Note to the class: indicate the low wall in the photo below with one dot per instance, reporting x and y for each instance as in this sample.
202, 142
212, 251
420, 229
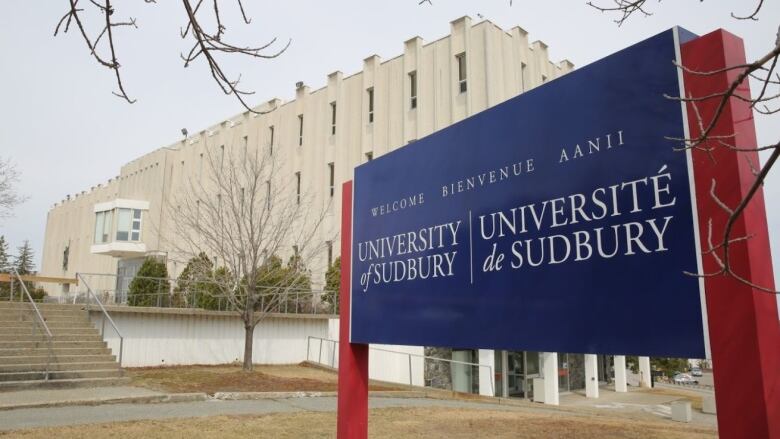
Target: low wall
170, 336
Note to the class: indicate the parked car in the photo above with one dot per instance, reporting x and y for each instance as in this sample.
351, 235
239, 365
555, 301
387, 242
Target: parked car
696, 371
683, 378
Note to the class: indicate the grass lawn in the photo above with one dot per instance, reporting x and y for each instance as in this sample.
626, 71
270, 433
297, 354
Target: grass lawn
231, 378
389, 423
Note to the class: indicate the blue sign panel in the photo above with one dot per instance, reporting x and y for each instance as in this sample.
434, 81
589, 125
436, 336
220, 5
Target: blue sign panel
558, 221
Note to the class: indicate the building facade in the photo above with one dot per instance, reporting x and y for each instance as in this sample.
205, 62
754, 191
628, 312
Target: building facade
319, 138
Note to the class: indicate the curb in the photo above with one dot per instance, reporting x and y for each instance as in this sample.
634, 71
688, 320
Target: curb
244, 396
151, 399
197, 397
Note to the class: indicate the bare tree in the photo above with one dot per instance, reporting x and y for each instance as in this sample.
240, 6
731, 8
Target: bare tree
766, 103
97, 23
244, 214
9, 197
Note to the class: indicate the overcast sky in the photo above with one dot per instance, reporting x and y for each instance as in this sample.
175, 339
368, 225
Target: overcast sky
65, 131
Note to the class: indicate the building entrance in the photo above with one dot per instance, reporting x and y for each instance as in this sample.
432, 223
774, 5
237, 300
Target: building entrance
515, 373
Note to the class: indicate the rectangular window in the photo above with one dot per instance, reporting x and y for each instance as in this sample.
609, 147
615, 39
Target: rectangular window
124, 220
369, 156
271, 140
128, 225
300, 129
332, 118
330, 253
268, 194
103, 226
461, 58
370, 92
135, 231
298, 187
331, 178
413, 89
523, 74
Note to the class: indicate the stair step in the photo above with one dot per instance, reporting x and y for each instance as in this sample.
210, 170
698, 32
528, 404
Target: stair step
56, 337
26, 304
84, 323
59, 375
96, 344
11, 313
79, 366
66, 383
28, 317
6, 333
56, 351
38, 359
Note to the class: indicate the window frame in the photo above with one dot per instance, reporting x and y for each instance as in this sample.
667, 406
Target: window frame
333, 118
462, 72
413, 89
300, 129
370, 92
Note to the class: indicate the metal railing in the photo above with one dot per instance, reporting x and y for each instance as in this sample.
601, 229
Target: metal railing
105, 317
40, 322
196, 294
334, 349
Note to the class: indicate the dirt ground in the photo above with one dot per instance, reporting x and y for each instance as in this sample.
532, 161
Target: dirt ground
388, 423
231, 378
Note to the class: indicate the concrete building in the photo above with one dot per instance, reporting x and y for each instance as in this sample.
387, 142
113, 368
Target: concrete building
319, 138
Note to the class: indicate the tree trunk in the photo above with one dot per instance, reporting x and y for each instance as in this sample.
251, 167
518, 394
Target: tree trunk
249, 330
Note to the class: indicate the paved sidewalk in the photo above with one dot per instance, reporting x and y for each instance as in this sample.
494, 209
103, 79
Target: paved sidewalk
86, 395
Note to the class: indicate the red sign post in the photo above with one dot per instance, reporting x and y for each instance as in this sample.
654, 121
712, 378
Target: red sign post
353, 358
744, 331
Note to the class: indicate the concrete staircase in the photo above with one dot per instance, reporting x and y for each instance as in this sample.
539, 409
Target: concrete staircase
78, 355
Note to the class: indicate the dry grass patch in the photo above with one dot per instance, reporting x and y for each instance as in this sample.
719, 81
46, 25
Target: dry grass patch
388, 423
231, 378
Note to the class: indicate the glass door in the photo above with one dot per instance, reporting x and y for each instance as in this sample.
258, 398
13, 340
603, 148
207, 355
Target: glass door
532, 370
563, 373
515, 374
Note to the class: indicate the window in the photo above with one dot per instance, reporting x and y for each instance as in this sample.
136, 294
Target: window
246, 146
298, 187
268, 194
369, 156
103, 222
332, 118
128, 225
523, 74
461, 58
370, 92
330, 253
300, 129
221, 155
413, 89
65, 257
200, 166
331, 179
271, 140
544, 79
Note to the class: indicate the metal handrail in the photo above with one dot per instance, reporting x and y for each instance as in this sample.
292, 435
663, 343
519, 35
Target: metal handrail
105, 316
49, 335
408, 354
